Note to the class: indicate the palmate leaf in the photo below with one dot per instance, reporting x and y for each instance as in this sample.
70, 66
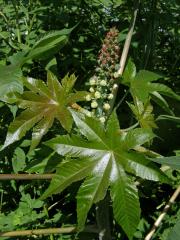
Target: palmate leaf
143, 114
142, 86
43, 103
104, 157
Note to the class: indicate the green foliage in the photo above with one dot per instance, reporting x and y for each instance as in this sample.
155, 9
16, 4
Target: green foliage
10, 79
104, 159
42, 104
175, 233
24, 214
36, 36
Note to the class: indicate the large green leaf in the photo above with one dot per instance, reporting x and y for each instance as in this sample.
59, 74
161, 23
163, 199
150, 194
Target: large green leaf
48, 45
104, 157
126, 205
43, 103
10, 79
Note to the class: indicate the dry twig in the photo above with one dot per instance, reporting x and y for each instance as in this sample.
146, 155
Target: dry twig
162, 215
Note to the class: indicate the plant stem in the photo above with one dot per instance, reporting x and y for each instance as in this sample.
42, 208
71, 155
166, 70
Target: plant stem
47, 231
162, 215
47, 176
125, 53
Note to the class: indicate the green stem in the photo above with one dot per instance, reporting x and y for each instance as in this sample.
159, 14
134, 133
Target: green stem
130, 128
17, 21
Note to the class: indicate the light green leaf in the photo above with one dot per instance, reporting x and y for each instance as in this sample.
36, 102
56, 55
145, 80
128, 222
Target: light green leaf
48, 45
42, 103
40, 130
163, 89
157, 98
173, 161
175, 232
140, 166
137, 137
142, 86
129, 72
18, 160
67, 173
10, 79
126, 205
23, 123
93, 190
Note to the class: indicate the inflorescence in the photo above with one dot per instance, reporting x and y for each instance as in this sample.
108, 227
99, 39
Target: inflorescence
103, 83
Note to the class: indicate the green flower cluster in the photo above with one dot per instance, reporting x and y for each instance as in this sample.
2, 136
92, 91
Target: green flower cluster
103, 83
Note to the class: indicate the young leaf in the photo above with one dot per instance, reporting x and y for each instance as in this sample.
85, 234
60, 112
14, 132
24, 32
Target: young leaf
43, 103
104, 159
143, 114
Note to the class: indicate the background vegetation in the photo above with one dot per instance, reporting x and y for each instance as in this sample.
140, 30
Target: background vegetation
30, 44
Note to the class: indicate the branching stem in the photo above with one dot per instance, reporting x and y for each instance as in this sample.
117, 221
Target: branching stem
162, 215
125, 53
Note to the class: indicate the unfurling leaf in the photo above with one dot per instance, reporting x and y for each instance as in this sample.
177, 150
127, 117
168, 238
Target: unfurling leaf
43, 103
104, 157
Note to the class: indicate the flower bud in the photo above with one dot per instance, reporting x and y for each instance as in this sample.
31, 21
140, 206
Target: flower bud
94, 104
91, 89
103, 83
97, 95
106, 106
110, 96
102, 119
88, 97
